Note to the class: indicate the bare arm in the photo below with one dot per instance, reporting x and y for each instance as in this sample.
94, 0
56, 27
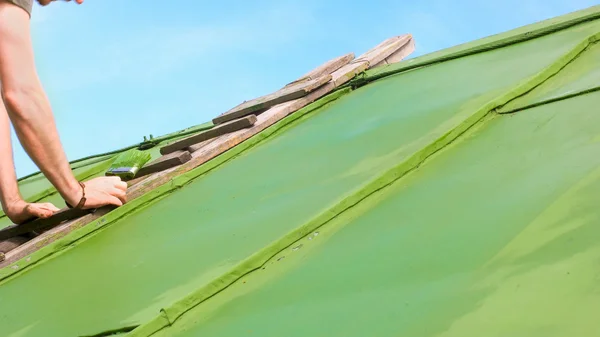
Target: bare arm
9, 191
12, 203
27, 104
31, 114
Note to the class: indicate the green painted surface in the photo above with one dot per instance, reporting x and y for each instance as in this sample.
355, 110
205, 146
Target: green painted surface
496, 236
196, 240
582, 75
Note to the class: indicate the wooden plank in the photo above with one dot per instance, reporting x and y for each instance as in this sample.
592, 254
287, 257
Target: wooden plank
12, 243
385, 49
348, 72
286, 94
325, 69
41, 224
52, 235
198, 146
402, 53
399, 55
217, 131
167, 161
199, 157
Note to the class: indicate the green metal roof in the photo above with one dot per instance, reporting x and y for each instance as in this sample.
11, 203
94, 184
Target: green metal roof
441, 196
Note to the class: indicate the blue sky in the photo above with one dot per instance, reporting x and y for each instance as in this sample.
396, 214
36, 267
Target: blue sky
117, 70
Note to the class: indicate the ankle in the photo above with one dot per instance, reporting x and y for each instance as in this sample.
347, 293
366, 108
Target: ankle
13, 205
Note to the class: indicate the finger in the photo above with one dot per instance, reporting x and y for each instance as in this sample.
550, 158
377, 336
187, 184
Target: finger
121, 195
116, 201
118, 193
121, 185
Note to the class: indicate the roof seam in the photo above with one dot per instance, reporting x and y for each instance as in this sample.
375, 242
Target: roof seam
366, 77
400, 170
551, 100
593, 40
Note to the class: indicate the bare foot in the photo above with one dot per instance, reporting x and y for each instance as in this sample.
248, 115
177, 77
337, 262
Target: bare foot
22, 211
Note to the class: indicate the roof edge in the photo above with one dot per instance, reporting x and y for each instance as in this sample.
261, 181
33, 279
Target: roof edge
514, 36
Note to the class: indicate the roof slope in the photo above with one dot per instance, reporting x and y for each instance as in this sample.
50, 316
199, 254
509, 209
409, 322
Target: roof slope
406, 206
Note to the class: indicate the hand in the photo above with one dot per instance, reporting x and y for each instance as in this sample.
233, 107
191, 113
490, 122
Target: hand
47, 2
20, 211
100, 192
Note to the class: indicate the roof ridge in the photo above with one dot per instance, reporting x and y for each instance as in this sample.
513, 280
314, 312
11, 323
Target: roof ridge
500, 40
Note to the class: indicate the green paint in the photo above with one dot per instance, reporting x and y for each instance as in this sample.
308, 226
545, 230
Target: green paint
385, 261
580, 76
505, 246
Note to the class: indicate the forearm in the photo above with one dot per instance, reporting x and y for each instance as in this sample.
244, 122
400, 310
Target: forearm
27, 104
34, 124
9, 190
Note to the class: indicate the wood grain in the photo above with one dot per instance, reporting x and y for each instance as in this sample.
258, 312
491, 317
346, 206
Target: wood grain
12, 243
385, 49
286, 94
198, 146
217, 131
41, 224
325, 69
164, 162
208, 150
53, 235
399, 54
348, 72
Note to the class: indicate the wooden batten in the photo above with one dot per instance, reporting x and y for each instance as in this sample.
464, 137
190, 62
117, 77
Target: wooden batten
325, 69
385, 49
217, 131
42, 224
165, 162
286, 94
399, 54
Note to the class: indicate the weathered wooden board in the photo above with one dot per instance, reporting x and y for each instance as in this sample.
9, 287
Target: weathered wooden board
51, 235
385, 49
198, 146
217, 131
286, 94
325, 69
41, 224
399, 54
12, 243
165, 162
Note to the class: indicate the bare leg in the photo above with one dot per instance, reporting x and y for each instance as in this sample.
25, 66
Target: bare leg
31, 114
